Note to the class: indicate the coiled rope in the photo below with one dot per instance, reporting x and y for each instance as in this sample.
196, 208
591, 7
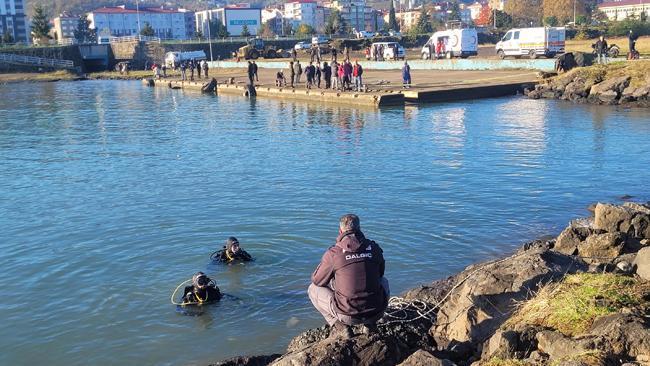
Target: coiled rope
176, 290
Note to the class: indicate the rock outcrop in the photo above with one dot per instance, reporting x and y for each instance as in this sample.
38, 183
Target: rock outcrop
599, 84
467, 318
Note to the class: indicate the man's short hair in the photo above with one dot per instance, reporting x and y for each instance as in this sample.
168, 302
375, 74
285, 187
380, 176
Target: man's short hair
349, 222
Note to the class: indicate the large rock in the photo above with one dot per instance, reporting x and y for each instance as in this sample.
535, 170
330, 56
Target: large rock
569, 239
632, 219
424, 358
248, 361
602, 248
624, 335
576, 90
608, 97
616, 85
503, 344
486, 294
558, 347
642, 263
394, 342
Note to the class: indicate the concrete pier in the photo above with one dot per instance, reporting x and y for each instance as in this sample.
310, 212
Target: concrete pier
371, 99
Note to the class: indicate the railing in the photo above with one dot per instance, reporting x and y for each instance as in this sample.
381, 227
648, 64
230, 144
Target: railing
134, 39
66, 42
236, 39
35, 61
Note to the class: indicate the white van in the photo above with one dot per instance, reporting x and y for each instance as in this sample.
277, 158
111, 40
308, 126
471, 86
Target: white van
172, 58
455, 43
532, 42
391, 50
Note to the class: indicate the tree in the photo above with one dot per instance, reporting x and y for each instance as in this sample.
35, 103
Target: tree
199, 34
551, 21
83, 33
40, 23
244, 31
503, 20
287, 28
334, 23
7, 38
217, 29
455, 12
267, 29
484, 16
423, 25
524, 12
304, 30
392, 19
562, 10
147, 30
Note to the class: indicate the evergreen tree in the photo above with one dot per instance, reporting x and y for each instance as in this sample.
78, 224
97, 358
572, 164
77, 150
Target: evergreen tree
218, 30
392, 19
334, 23
503, 20
244, 31
40, 23
147, 30
455, 12
304, 30
83, 33
423, 25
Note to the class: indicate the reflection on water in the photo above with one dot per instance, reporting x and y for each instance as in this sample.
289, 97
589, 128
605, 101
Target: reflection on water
111, 194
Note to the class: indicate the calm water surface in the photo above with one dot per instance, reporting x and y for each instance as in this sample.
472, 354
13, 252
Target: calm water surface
111, 194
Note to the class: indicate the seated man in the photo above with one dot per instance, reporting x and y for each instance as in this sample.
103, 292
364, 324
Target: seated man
231, 252
280, 80
203, 290
348, 286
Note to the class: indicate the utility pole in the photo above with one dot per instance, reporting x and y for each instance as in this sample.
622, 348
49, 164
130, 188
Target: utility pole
137, 12
209, 35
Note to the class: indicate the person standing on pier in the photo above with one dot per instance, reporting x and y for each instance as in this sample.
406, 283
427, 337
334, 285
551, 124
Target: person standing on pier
334, 52
183, 71
348, 287
255, 71
317, 71
294, 54
312, 53
292, 73
309, 73
356, 73
205, 68
298, 69
347, 75
406, 75
327, 74
198, 70
251, 74
335, 75
191, 70
318, 53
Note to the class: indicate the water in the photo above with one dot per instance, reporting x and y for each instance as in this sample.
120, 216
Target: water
111, 194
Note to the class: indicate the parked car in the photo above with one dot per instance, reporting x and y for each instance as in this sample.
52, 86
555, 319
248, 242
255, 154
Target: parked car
302, 45
392, 50
321, 40
457, 43
533, 42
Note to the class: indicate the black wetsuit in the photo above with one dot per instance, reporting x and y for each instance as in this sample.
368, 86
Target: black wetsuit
225, 257
205, 295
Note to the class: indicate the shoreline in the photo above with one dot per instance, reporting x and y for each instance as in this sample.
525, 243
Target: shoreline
482, 315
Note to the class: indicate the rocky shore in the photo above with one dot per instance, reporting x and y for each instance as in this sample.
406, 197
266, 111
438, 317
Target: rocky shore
625, 83
582, 298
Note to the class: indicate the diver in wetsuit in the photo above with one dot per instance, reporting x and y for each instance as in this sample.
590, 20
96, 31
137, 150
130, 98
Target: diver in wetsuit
231, 252
203, 291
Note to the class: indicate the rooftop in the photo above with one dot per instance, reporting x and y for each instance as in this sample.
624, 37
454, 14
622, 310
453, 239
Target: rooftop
611, 3
124, 10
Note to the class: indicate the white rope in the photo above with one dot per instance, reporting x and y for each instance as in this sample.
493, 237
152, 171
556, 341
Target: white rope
176, 290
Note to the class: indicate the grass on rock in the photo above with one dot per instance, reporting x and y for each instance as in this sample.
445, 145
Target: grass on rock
571, 306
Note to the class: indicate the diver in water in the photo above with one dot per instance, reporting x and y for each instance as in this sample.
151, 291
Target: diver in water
231, 252
203, 290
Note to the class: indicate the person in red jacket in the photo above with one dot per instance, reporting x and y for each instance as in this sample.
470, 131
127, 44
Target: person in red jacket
348, 286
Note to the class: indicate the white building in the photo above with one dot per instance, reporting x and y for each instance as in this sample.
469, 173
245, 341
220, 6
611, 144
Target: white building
275, 19
303, 12
122, 21
356, 14
475, 9
622, 9
234, 18
13, 20
65, 26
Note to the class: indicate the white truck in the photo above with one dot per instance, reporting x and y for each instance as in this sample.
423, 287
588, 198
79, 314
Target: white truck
451, 43
175, 58
532, 42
